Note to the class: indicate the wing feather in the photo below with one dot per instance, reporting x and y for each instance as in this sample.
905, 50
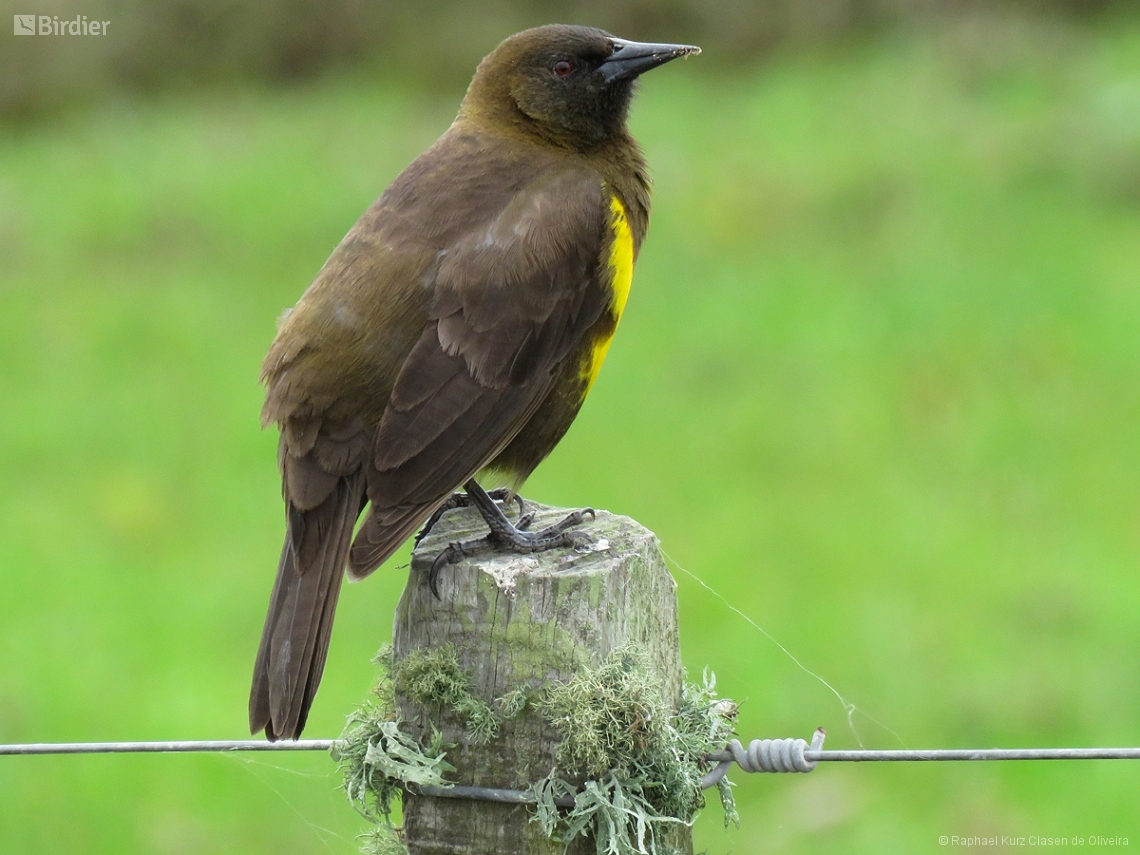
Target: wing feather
512, 301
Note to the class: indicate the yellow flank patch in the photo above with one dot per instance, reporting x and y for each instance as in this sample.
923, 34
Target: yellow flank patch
621, 278
621, 257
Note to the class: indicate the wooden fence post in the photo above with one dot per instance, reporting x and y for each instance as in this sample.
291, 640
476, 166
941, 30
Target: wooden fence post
519, 620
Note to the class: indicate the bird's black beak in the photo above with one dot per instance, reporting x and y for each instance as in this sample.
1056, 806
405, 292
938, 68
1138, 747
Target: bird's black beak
630, 59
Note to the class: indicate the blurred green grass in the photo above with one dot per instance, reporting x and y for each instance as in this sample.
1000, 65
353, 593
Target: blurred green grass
877, 384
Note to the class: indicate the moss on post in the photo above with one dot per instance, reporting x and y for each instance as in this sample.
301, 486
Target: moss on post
517, 624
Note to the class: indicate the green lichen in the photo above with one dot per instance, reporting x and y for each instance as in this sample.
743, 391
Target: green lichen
641, 761
631, 760
383, 840
514, 702
379, 759
384, 690
606, 717
433, 679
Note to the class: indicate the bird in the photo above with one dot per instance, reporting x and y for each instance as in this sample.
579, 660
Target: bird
455, 330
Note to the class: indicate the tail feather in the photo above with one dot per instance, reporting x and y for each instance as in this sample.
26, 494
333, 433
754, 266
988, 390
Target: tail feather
295, 640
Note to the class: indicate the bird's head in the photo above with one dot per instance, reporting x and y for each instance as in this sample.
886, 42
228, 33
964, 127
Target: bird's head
570, 85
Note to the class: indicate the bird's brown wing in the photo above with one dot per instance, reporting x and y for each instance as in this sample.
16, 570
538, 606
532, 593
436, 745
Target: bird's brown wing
320, 398
512, 300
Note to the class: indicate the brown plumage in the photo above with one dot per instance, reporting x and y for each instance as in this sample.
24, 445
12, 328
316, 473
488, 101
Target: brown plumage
453, 329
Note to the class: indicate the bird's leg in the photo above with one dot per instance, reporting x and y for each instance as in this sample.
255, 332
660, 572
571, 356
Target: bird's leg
503, 533
519, 538
462, 500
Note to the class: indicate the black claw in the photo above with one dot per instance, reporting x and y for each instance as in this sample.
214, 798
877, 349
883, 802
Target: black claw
442, 560
455, 553
518, 500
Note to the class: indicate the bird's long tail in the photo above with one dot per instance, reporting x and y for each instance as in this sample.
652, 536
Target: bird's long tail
295, 640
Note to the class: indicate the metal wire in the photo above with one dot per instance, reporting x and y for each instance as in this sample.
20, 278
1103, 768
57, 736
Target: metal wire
811, 754
181, 747
489, 794
761, 755
977, 754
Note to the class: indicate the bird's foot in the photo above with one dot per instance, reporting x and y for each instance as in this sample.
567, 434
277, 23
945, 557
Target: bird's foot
516, 537
461, 500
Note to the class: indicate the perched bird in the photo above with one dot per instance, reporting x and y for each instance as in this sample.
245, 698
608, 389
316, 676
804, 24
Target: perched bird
457, 328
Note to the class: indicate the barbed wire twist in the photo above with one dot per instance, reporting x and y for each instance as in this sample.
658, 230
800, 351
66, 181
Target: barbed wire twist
765, 755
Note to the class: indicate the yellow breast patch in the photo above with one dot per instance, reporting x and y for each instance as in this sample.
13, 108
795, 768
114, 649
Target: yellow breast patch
620, 266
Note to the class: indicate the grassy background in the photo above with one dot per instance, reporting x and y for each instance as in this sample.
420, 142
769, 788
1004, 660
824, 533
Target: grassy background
877, 384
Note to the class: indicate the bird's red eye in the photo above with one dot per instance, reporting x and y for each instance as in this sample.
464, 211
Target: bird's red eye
563, 67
